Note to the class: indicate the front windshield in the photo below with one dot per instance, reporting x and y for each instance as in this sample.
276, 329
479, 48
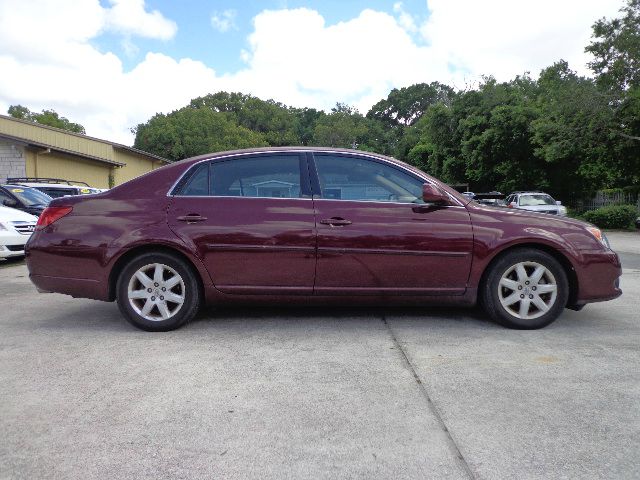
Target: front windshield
535, 200
30, 196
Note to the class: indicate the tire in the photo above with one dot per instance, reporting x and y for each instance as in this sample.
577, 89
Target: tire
142, 300
525, 289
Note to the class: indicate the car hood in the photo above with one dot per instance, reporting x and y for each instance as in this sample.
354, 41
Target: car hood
12, 215
536, 208
519, 215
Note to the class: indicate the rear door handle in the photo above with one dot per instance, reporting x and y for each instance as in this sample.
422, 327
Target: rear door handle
335, 222
192, 218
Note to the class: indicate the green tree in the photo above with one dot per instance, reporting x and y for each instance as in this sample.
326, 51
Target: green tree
273, 120
344, 127
573, 134
616, 49
193, 131
46, 117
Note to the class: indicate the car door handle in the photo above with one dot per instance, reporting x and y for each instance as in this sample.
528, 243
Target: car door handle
335, 221
192, 218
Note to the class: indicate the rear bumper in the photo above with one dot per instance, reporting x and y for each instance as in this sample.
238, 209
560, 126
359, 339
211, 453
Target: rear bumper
76, 287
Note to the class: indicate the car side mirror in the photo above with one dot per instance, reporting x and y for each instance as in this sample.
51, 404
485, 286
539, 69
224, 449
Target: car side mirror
9, 202
558, 202
432, 194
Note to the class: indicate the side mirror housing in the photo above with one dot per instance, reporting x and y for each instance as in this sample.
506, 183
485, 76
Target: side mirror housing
558, 202
432, 195
10, 202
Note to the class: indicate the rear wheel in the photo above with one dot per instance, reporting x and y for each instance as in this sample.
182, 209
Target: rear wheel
158, 292
525, 289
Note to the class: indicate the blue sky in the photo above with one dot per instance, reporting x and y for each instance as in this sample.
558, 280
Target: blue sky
197, 38
112, 64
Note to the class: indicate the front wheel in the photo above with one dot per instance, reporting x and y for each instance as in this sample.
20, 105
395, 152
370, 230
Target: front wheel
158, 292
525, 289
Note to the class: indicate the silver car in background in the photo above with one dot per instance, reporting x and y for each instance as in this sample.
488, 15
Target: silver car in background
536, 202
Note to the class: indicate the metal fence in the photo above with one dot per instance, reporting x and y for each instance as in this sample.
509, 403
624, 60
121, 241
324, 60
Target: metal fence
604, 199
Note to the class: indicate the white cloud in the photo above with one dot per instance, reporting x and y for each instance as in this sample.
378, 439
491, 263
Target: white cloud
130, 17
292, 55
224, 21
506, 37
405, 19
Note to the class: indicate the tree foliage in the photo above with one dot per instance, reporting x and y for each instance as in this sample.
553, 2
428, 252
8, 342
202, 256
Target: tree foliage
561, 132
46, 117
616, 49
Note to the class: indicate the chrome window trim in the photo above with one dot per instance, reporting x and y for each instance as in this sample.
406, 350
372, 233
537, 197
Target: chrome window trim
315, 198
302, 150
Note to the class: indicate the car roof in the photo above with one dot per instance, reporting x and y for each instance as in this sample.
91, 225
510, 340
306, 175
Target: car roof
52, 185
15, 185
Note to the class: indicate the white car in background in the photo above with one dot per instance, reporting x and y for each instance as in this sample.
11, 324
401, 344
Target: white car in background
15, 229
536, 202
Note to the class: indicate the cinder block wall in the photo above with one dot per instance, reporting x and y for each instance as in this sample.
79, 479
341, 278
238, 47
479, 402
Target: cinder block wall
12, 161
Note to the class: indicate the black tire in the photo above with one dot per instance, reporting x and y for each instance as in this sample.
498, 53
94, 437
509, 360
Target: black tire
493, 291
188, 289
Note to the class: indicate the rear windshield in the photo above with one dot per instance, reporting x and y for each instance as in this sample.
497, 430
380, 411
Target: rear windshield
534, 200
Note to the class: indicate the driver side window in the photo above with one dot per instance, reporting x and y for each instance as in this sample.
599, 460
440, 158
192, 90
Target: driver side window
357, 178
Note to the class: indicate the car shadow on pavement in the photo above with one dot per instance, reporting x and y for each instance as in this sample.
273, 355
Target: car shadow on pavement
88, 315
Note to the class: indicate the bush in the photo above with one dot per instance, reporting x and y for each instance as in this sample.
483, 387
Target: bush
614, 216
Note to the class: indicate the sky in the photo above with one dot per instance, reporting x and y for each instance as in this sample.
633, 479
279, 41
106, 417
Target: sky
112, 64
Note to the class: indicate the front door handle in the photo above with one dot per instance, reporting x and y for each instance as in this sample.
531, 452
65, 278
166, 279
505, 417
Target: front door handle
192, 218
335, 222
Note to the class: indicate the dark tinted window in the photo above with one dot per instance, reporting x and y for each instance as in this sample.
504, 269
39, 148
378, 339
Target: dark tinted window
31, 196
4, 196
198, 183
273, 176
55, 192
356, 178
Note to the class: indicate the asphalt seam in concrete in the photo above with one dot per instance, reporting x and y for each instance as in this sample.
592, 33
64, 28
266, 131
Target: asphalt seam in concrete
430, 405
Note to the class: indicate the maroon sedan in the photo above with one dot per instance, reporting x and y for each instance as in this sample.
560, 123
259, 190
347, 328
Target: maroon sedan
304, 225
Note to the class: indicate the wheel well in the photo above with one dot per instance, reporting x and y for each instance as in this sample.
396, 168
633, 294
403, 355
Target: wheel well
572, 278
137, 251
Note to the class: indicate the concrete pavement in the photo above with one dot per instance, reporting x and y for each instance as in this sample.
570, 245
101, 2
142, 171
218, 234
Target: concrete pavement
316, 393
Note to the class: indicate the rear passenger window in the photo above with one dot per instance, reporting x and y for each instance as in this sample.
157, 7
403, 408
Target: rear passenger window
271, 176
198, 183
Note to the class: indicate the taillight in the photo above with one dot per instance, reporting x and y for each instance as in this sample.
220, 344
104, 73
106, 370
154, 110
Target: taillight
50, 215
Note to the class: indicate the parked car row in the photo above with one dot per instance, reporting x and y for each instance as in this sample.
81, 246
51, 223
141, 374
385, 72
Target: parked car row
534, 201
55, 187
22, 201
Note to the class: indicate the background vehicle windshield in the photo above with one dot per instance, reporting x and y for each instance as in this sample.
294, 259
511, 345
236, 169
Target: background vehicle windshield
534, 200
31, 196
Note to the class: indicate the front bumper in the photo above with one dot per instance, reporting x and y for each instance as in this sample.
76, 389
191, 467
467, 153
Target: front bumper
12, 244
598, 277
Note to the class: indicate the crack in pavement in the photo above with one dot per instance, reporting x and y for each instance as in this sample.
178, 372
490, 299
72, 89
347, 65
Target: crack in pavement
432, 407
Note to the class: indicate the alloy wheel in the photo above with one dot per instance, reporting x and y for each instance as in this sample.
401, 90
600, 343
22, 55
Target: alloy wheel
156, 292
527, 290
